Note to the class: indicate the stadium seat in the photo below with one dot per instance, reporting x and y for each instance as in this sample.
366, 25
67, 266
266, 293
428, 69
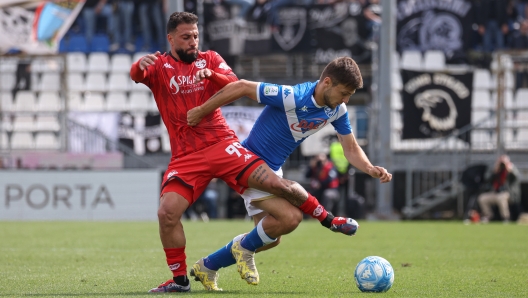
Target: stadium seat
49, 102
153, 105
480, 116
139, 87
4, 141
396, 101
120, 63
98, 62
6, 123
411, 60
7, 81
506, 63
8, 64
48, 64
119, 82
522, 136
50, 82
507, 97
482, 79
139, 101
75, 82
75, 101
77, 43
434, 60
47, 123
481, 139
509, 100
96, 82
481, 100
6, 102
397, 83
22, 140
138, 55
63, 45
521, 98
100, 43
25, 101
24, 123
94, 102
46, 141
116, 101
76, 62
521, 118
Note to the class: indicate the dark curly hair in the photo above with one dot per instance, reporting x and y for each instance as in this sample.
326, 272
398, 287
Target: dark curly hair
178, 18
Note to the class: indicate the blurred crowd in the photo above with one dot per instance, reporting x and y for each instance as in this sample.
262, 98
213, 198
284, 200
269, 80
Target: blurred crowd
498, 24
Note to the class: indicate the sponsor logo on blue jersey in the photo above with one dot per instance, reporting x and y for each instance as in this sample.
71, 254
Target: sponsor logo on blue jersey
308, 124
330, 112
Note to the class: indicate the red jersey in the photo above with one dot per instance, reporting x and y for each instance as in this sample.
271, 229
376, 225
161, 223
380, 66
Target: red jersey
173, 84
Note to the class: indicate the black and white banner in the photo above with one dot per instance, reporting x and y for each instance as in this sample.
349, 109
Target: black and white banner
434, 25
327, 30
144, 132
435, 104
141, 132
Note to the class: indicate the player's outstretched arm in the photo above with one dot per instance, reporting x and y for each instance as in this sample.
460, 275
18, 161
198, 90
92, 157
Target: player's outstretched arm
357, 157
138, 69
228, 94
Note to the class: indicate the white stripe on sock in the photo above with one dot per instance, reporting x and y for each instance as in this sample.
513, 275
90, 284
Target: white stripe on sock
263, 236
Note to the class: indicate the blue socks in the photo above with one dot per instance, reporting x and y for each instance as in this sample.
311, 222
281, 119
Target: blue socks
220, 258
256, 238
252, 241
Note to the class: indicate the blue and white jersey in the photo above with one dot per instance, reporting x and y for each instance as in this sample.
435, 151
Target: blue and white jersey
290, 116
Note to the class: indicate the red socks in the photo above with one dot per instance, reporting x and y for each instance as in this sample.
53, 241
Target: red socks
313, 208
176, 260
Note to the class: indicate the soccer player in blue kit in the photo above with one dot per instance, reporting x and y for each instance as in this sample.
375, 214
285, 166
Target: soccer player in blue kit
292, 113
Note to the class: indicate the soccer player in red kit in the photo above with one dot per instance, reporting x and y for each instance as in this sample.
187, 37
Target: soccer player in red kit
181, 80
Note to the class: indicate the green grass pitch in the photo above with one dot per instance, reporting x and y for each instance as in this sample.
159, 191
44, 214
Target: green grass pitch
125, 259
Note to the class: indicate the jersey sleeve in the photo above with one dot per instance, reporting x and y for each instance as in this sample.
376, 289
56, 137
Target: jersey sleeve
220, 66
342, 123
274, 95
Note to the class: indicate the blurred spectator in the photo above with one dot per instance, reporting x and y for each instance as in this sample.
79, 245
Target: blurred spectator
337, 156
277, 5
91, 10
324, 182
152, 13
520, 41
23, 76
123, 25
372, 13
492, 24
512, 17
522, 9
244, 6
504, 183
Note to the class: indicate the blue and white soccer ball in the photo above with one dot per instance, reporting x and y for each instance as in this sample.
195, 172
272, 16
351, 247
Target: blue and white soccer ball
374, 274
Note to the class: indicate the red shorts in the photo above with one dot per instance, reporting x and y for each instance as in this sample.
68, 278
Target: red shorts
228, 160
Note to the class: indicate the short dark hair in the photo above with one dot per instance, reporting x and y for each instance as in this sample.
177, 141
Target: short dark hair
178, 18
344, 71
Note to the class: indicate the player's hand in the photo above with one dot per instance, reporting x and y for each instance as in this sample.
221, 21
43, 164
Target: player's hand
380, 173
194, 116
148, 60
203, 74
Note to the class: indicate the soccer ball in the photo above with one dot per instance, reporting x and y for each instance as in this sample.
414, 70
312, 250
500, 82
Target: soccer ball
374, 274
